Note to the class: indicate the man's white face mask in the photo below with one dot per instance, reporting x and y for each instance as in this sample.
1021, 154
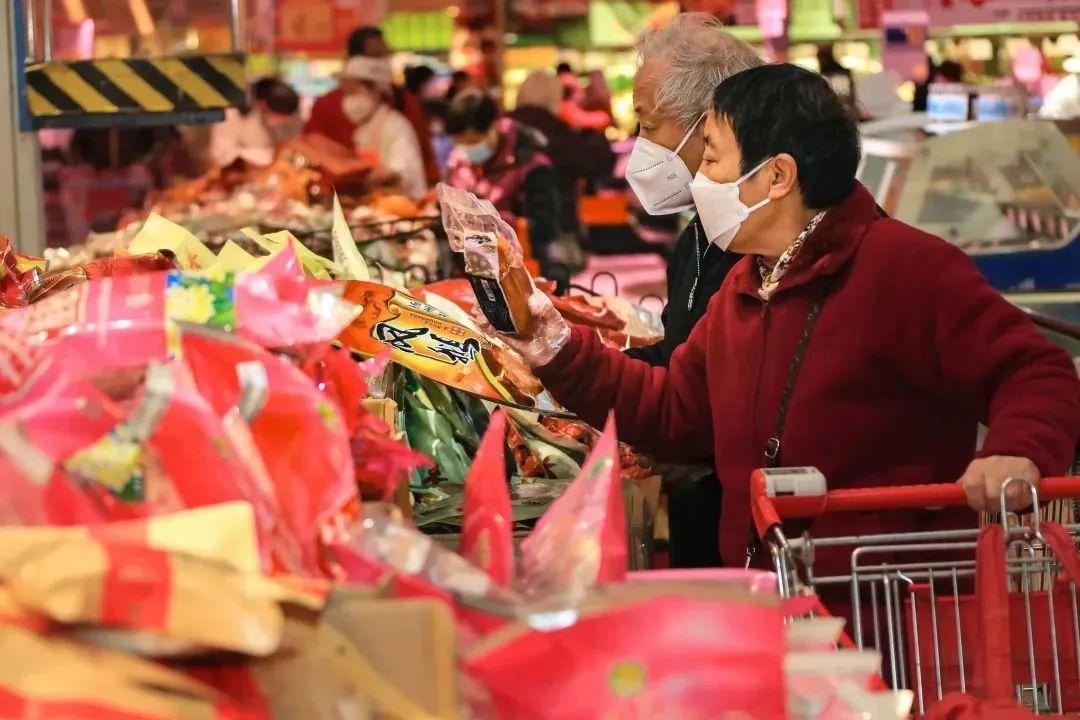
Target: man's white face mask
659, 177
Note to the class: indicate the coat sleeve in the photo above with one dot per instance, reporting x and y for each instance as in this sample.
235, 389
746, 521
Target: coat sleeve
664, 411
964, 341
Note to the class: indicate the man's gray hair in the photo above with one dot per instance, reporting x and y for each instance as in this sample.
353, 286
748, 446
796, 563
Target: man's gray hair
699, 55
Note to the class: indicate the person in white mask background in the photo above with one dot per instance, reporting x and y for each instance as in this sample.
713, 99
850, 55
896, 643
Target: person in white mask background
681, 65
506, 163
381, 132
843, 340
255, 135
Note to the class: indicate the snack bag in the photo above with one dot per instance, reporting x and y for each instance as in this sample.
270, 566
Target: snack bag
298, 433
346, 254
145, 462
53, 416
158, 234
581, 540
426, 340
161, 602
129, 321
379, 547
53, 677
493, 260
677, 658
487, 532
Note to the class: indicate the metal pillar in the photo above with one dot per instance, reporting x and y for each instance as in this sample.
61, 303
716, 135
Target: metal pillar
21, 209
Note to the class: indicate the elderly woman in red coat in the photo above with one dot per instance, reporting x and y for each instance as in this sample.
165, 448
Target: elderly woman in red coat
843, 340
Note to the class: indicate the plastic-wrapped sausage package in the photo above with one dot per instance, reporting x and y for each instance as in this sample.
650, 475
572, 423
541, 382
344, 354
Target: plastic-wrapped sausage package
493, 259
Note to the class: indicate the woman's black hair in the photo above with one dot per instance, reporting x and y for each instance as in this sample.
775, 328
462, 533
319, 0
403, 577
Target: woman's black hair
280, 98
471, 110
784, 108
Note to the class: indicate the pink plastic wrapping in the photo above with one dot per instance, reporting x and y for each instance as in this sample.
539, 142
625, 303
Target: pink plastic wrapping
124, 322
581, 541
665, 659
299, 433
487, 530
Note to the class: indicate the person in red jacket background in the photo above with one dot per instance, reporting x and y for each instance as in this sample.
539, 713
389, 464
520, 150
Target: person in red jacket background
328, 117
844, 340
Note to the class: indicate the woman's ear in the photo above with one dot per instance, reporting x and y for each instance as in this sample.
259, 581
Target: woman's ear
783, 174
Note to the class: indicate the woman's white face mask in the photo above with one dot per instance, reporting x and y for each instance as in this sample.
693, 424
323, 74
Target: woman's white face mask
720, 207
659, 177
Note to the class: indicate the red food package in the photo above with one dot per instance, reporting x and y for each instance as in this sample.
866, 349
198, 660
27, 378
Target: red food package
298, 432
56, 282
14, 279
171, 452
669, 658
487, 530
52, 417
581, 540
130, 321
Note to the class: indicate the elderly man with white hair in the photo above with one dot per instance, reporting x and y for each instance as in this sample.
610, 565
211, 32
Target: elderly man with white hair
381, 131
681, 65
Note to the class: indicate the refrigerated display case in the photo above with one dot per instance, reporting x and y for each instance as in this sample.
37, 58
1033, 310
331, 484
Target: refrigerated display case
1007, 192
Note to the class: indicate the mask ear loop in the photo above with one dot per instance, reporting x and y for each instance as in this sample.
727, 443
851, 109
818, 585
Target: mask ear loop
686, 137
751, 174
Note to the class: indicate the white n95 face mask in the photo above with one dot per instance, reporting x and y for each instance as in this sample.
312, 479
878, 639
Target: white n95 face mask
659, 177
720, 208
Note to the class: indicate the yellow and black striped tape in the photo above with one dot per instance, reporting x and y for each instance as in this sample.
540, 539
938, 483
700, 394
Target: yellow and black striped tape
135, 85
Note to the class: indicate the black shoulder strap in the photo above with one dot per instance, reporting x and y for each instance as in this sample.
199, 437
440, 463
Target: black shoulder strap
772, 446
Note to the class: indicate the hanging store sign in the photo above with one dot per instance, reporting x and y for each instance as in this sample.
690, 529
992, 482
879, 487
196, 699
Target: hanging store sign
968, 12
321, 27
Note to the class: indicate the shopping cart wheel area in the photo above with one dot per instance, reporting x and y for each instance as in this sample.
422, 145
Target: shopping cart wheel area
991, 611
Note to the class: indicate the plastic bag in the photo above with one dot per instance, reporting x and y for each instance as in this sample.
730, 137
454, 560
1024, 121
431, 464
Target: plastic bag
581, 540
493, 260
669, 658
124, 322
487, 530
299, 433
54, 416
57, 678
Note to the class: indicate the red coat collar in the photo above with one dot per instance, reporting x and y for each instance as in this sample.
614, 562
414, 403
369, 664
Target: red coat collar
826, 251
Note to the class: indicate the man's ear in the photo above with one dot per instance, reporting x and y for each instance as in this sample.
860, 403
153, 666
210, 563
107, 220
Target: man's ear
783, 174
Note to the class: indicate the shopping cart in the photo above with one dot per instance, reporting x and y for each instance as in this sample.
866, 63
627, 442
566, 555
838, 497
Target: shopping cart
990, 611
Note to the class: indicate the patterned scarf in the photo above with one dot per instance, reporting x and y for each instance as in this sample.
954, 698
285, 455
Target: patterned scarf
772, 274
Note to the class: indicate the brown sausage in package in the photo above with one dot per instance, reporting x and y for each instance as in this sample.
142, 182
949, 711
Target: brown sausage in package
493, 260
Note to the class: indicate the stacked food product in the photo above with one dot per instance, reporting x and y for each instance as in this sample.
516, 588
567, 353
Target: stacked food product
188, 447
294, 193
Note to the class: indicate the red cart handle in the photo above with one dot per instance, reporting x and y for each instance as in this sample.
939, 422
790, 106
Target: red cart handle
769, 511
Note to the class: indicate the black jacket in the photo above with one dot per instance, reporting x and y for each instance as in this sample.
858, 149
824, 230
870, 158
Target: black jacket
696, 270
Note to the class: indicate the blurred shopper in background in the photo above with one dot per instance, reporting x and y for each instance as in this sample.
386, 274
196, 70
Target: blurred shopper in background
255, 135
460, 81
830, 345
328, 116
380, 131
597, 95
839, 77
681, 65
505, 162
571, 110
578, 155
